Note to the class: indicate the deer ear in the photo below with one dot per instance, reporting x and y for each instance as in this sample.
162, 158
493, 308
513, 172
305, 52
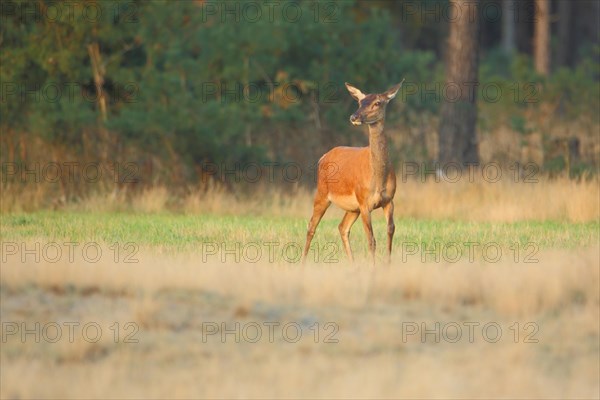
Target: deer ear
391, 92
354, 92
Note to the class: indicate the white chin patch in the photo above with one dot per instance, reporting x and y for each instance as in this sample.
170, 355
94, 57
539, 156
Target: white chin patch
356, 122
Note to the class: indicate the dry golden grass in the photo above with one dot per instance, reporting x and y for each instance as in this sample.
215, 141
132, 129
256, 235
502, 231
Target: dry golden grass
170, 298
559, 199
506, 201
151, 200
505, 287
217, 200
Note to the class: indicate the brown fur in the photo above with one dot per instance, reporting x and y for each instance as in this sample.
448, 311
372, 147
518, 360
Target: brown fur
358, 179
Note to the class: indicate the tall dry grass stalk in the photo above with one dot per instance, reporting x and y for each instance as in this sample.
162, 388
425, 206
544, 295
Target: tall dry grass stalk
170, 298
151, 200
558, 198
559, 278
555, 199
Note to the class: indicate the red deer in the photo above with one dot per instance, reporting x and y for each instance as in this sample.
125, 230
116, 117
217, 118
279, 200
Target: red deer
358, 179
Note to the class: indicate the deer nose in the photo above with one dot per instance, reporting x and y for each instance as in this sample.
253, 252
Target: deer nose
355, 119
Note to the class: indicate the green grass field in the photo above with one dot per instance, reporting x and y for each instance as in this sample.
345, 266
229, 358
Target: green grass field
178, 232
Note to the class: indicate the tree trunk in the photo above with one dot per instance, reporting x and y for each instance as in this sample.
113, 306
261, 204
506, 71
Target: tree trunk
542, 37
458, 116
98, 70
99, 73
563, 55
508, 26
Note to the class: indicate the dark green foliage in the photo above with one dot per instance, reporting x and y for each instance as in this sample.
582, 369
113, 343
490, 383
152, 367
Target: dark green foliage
185, 86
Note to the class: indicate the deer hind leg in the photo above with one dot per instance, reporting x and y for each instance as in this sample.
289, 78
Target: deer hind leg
388, 211
344, 227
320, 206
366, 219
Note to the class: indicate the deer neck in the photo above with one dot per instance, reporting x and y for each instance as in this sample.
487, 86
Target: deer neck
379, 156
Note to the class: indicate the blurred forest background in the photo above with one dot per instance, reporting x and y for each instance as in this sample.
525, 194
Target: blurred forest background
174, 86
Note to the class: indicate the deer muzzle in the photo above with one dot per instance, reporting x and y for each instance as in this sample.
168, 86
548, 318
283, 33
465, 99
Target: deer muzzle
355, 119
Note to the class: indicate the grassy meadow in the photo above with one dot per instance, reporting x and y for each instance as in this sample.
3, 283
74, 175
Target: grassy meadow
158, 162
204, 296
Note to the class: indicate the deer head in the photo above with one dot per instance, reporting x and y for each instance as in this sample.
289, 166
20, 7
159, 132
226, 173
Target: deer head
371, 107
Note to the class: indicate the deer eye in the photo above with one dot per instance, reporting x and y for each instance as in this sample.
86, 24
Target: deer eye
377, 103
